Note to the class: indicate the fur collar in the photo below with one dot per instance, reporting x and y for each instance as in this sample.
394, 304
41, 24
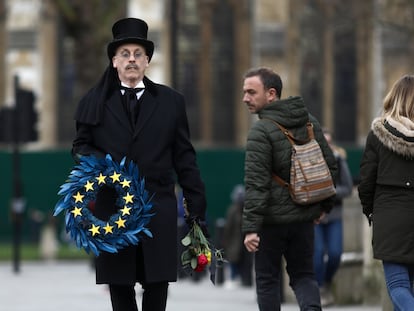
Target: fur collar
395, 135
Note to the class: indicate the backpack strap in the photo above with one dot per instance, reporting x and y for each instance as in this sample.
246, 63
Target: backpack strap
309, 127
293, 140
280, 181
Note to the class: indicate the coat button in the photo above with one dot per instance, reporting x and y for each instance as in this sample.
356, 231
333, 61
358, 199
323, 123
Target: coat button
408, 184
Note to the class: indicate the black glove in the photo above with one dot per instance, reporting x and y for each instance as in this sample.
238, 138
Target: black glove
191, 219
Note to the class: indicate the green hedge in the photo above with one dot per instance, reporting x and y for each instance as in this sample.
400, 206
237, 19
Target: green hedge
43, 172
32, 252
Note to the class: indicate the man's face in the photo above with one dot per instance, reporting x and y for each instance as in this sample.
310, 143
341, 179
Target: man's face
130, 61
255, 96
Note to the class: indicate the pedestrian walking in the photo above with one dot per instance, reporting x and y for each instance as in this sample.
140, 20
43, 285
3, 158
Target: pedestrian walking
386, 190
240, 260
275, 226
127, 115
329, 232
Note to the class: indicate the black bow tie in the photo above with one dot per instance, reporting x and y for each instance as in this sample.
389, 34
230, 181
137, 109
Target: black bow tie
130, 90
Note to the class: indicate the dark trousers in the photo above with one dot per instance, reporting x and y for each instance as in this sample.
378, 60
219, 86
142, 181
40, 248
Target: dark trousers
295, 243
154, 297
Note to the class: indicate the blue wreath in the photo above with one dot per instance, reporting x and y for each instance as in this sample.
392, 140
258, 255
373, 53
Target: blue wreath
124, 227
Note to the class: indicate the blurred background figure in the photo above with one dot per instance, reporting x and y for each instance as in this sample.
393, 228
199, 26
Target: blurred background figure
240, 260
49, 244
329, 233
36, 219
182, 230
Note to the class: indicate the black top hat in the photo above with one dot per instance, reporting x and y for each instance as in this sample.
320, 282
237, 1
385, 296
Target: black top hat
130, 30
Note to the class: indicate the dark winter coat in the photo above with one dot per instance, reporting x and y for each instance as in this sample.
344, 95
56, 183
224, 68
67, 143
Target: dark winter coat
232, 236
268, 150
344, 186
386, 189
160, 146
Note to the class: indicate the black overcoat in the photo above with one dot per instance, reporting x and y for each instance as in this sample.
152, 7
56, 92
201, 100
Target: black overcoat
160, 146
386, 191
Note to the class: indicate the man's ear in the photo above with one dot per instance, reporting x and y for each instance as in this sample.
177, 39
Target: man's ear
273, 94
113, 62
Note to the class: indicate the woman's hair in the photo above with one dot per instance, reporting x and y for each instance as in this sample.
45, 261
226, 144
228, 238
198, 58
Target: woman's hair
399, 102
269, 78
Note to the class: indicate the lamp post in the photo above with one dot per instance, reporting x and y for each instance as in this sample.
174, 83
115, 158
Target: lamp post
17, 201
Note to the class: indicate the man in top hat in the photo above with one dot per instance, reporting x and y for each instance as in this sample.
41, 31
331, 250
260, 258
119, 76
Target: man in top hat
150, 128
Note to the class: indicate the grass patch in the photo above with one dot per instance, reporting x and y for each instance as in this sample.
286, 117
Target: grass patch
32, 252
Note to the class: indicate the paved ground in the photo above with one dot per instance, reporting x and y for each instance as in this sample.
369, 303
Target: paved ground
69, 286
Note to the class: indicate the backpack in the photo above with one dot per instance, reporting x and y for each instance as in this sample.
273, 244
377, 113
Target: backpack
310, 177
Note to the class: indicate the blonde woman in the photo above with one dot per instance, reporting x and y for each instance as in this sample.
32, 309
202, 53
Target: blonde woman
386, 190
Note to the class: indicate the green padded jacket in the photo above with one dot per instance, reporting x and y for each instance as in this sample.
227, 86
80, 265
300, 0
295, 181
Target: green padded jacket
268, 150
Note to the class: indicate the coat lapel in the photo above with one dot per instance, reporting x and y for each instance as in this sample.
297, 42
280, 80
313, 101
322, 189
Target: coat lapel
114, 105
148, 105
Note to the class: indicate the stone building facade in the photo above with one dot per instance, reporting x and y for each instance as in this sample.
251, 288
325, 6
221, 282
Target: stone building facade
340, 57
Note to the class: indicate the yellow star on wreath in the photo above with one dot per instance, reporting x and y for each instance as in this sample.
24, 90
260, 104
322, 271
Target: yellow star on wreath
108, 228
128, 198
78, 197
120, 222
126, 183
76, 211
94, 230
101, 179
125, 211
89, 186
115, 177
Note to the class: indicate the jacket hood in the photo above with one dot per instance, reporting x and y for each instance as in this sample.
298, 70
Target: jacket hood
290, 112
398, 136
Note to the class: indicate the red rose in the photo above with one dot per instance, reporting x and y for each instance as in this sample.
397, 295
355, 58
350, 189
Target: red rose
202, 261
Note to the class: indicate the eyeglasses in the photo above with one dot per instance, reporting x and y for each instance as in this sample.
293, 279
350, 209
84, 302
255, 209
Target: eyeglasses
127, 54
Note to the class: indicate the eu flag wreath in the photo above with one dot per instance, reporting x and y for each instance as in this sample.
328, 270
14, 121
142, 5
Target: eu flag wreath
124, 227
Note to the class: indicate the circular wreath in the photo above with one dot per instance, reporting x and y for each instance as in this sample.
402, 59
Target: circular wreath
124, 227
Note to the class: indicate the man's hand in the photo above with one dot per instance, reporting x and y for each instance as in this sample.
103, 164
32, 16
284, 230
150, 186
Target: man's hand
190, 220
317, 221
251, 241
